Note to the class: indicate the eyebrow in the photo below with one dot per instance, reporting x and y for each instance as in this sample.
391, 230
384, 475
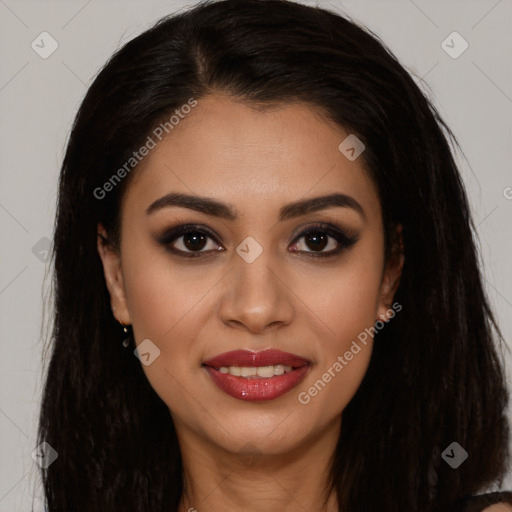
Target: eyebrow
215, 208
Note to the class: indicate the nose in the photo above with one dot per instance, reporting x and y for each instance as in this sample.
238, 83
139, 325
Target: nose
257, 297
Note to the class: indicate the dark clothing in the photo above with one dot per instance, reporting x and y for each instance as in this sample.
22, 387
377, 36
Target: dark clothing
479, 503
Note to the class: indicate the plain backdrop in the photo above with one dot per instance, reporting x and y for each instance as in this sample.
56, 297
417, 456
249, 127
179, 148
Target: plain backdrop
40, 96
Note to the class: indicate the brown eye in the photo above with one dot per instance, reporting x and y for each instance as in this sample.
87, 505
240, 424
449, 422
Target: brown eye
194, 240
319, 237
316, 240
188, 241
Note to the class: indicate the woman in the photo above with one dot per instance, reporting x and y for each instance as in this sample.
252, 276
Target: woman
261, 198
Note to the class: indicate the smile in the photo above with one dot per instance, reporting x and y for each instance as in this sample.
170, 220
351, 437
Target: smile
257, 376
255, 372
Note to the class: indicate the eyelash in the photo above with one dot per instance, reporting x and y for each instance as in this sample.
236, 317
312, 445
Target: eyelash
344, 240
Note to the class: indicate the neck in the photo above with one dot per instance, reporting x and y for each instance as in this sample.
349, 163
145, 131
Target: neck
216, 480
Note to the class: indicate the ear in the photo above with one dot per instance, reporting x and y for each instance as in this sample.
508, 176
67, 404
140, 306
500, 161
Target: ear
392, 274
113, 276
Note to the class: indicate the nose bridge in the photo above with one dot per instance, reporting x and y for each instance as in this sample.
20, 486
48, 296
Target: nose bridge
257, 297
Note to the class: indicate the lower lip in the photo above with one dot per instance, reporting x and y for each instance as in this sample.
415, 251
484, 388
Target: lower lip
257, 389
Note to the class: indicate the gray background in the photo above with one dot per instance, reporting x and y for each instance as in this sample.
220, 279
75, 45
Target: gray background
39, 98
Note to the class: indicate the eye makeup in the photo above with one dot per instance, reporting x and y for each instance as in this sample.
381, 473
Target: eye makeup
196, 236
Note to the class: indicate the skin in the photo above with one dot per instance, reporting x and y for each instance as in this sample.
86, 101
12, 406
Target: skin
244, 455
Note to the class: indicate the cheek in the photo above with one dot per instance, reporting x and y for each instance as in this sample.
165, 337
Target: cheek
164, 305
344, 353
347, 305
161, 294
346, 299
171, 303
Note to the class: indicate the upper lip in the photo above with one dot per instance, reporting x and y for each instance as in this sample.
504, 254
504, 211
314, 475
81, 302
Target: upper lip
268, 357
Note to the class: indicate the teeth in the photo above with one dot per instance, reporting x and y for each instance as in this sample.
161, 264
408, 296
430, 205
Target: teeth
279, 369
260, 371
265, 371
248, 372
232, 370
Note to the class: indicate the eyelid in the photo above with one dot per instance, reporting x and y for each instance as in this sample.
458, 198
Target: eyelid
174, 232
327, 227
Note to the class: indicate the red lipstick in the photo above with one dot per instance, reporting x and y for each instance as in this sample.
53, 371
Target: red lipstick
289, 369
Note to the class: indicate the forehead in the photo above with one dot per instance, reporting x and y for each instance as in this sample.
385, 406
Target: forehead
252, 157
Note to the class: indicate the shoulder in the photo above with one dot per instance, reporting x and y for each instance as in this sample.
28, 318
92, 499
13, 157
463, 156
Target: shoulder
503, 506
490, 502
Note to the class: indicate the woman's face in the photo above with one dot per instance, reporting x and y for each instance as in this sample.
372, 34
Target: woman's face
254, 282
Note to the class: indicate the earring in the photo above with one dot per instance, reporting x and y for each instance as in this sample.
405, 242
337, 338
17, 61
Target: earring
126, 341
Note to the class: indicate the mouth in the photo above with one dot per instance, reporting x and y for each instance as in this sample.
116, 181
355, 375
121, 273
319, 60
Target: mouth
257, 376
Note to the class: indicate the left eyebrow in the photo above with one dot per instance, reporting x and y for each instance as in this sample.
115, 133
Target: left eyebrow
319, 203
217, 209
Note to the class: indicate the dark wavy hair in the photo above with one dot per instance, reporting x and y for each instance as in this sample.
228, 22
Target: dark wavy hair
435, 374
